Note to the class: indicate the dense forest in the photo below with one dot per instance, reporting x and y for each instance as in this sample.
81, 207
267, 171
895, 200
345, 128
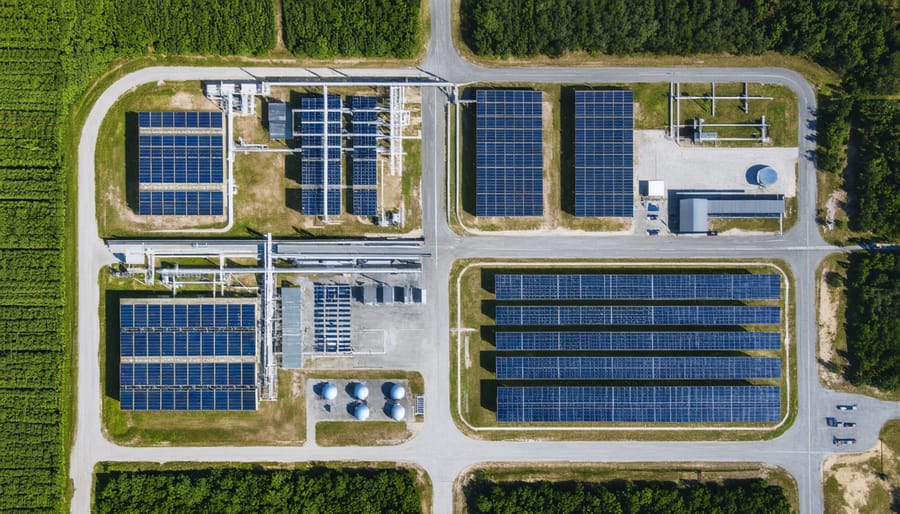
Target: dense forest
370, 28
877, 138
321, 490
873, 327
745, 496
858, 38
51, 51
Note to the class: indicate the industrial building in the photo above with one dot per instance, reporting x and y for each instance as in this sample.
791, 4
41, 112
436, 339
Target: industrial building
696, 207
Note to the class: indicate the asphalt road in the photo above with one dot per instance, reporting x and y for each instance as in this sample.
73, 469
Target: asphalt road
440, 448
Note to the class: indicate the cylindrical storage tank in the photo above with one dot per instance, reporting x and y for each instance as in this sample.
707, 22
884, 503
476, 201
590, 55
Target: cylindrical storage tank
329, 391
398, 413
766, 176
361, 412
360, 392
397, 392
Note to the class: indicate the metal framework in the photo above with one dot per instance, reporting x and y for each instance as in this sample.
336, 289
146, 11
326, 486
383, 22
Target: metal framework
675, 98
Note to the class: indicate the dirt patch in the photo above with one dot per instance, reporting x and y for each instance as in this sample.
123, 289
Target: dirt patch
856, 477
183, 100
833, 205
828, 326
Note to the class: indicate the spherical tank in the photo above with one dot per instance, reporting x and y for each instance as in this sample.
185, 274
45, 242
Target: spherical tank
398, 412
361, 412
361, 392
766, 176
329, 391
398, 392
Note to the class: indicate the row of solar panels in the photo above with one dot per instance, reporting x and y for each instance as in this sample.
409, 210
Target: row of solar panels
637, 341
187, 344
312, 201
637, 287
637, 315
637, 368
181, 203
331, 318
508, 153
364, 169
162, 314
180, 120
157, 374
201, 170
165, 399
660, 404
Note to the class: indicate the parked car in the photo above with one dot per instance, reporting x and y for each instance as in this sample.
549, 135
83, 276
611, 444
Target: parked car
846, 406
653, 232
833, 422
713, 233
842, 441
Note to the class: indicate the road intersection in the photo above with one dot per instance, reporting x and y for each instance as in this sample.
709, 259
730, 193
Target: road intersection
440, 448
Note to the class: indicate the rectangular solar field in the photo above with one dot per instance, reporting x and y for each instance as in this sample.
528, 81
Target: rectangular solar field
364, 163
637, 287
181, 159
626, 404
331, 321
636, 315
509, 154
637, 341
176, 355
178, 203
637, 368
320, 161
604, 154
180, 120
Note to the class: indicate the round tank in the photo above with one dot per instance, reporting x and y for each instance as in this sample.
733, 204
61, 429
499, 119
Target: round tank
361, 412
398, 413
360, 392
766, 176
329, 391
398, 392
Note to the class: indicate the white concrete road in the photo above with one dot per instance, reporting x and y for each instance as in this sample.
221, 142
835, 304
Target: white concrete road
440, 448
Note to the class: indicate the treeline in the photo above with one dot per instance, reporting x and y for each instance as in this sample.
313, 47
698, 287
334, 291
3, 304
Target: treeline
52, 49
858, 38
873, 327
365, 28
877, 132
321, 489
745, 496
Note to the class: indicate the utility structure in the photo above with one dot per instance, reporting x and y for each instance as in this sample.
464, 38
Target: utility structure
675, 98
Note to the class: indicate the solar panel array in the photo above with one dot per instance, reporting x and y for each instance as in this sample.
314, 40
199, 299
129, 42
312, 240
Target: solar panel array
661, 404
364, 172
187, 356
332, 318
604, 153
637, 368
637, 315
180, 154
180, 120
637, 341
637, 287
314, 161
190, 203
509, 153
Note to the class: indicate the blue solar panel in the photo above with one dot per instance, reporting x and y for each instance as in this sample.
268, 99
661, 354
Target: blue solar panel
669, 404
315, 159
637, 341
509, 153
160, 330
604, 154
331, 318
637, 368
365, 131
637, 315
312, 202
180, 120
637, 287
180, 158
181, 203
365, 202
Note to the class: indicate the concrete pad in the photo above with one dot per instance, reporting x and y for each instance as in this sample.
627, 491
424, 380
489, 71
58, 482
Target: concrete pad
706, 167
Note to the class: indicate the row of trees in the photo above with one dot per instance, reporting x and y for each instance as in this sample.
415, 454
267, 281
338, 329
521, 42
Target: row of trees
873, 327
319, 489
858, 38
745, 496
369, 28
877, 137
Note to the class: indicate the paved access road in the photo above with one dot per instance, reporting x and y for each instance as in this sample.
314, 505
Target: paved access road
440, 448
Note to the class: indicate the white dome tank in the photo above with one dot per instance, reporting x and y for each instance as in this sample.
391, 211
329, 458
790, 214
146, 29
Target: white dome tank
398, 413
